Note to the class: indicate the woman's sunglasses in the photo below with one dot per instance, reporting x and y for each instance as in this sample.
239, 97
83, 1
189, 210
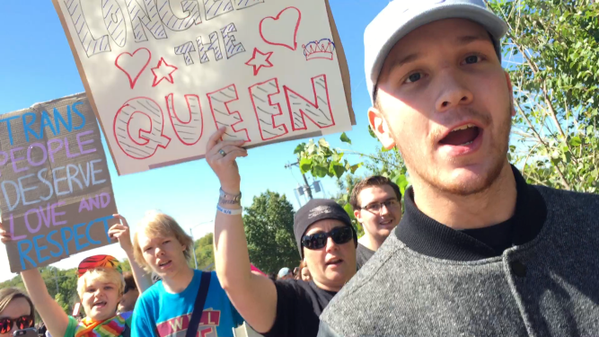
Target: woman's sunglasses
340, 235
22, 322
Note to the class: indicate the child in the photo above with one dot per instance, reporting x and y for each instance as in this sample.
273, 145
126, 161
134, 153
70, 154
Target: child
100, 288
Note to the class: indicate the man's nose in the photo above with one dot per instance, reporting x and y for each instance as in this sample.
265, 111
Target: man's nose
453, 92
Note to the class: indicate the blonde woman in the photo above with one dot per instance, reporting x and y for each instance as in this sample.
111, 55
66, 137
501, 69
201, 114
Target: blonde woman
100, 288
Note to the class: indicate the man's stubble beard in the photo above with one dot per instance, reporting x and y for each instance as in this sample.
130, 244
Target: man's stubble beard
435, 182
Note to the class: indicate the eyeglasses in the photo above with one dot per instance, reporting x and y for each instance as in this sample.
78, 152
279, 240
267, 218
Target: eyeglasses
340, 235
22, 322
376, 207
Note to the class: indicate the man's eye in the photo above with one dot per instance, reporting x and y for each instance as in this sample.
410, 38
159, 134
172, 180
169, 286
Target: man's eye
413, 78
472, 59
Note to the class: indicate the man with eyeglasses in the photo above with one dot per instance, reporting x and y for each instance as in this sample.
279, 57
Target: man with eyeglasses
376, 202
325, 239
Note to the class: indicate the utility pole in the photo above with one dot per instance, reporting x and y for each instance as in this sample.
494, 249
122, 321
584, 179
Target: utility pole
307, 186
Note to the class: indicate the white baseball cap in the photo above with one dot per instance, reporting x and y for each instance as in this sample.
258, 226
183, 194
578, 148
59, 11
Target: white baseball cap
401, 17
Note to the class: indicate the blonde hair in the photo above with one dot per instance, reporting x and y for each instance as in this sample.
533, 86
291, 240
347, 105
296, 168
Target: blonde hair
107, 275
156, 224
7, 295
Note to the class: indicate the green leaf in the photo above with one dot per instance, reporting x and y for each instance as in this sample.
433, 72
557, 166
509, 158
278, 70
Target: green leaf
401, 181
344, 138
322, 142
305, 165
371, 132
575, 141
319, 171
336, 169
299, 148
353, 168
349, 210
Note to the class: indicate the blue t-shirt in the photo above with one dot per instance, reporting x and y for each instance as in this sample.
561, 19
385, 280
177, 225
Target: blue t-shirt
159, 313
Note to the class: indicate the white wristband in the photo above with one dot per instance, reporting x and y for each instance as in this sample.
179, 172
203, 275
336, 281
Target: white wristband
229, 211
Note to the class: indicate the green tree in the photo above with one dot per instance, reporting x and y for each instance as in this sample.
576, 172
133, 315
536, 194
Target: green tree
552, 47
204, 251
269, 230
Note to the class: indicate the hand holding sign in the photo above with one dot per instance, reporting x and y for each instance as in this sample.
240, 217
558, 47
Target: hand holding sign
4, 234
121, 232
221, 156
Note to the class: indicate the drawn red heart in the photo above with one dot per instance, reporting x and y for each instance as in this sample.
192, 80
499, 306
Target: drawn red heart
133, 64
282, 30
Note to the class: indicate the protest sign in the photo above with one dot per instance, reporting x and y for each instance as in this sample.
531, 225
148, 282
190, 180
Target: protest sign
56, 194
162, 75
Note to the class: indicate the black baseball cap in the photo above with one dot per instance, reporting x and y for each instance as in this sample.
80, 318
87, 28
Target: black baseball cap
314, 211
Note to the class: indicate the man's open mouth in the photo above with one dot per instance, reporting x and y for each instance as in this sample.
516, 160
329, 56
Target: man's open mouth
462, 136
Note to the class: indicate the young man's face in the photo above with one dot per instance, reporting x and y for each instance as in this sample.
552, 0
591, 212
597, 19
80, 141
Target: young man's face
443, 77
334, 264
378, 221
165, 255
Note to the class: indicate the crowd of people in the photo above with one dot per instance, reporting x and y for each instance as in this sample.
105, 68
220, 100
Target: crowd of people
476, 252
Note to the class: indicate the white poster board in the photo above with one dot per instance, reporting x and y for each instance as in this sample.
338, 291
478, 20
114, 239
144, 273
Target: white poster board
162, 75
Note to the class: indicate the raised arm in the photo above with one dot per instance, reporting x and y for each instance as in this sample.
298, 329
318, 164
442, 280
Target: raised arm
51, 313
121, 232
254, 296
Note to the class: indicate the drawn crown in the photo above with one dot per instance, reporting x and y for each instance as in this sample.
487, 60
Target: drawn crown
322, 48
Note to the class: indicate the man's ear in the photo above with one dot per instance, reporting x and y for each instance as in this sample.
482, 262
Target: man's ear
381, 128
511, 92
358, 215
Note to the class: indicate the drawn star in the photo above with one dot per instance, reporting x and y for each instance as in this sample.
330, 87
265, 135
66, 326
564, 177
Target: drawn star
163, 71
259, 60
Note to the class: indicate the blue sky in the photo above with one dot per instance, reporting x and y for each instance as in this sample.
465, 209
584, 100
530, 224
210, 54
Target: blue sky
37, 65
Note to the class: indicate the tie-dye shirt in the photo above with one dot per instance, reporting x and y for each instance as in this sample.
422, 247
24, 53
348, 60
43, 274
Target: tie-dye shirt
112, 327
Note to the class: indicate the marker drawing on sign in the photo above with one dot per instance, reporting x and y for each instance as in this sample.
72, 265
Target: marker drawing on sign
241, 4
215, 8
163, 71
214, 45
185, 50
91, 45
219, 106
319, 111
133, 64
138, 128
231, 48
259, 60
188, 132
261, 95
321, 49
145, 17
114, 20
282, 30
170, 19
